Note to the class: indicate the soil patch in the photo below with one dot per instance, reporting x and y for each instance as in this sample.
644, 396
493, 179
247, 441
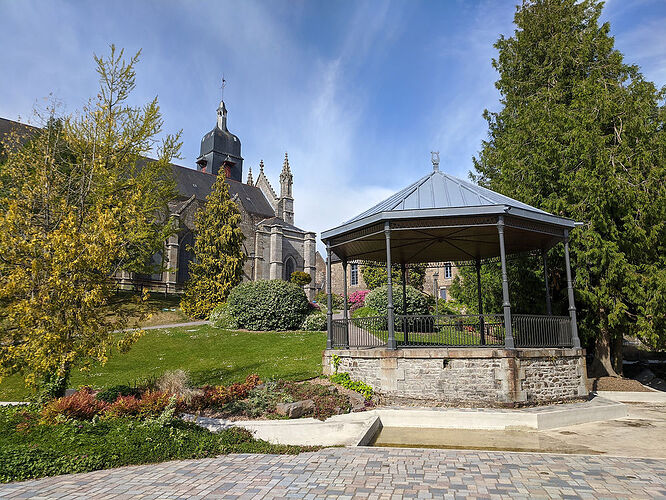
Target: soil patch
615, 384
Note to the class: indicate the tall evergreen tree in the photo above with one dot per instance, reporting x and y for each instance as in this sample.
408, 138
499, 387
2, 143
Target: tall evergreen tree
580, 133
218, 253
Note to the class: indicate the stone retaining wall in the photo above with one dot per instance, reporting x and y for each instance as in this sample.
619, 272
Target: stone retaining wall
475, 375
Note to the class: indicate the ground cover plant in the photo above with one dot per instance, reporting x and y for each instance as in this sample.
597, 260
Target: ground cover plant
31, 447
211, 356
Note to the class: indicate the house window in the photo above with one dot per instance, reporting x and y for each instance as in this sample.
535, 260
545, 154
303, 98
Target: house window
354, 275
447, 270
442, 293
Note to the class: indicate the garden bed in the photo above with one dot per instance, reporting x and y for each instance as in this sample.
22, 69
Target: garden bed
31, 447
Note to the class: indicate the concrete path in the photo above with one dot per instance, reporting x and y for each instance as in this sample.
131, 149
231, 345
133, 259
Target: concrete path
367, 473
174, 325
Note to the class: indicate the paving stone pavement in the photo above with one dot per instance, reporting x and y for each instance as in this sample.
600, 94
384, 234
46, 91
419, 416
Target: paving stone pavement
366, 473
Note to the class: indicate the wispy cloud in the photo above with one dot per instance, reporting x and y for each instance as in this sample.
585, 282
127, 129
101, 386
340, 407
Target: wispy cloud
358, 93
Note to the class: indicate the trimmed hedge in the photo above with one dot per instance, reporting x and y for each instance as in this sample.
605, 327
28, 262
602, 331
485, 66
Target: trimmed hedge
268, 305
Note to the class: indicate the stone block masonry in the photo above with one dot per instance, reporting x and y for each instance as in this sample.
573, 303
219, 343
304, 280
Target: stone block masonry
485, 376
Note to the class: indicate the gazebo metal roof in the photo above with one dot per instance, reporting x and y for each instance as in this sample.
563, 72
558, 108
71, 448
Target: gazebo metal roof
440, 218
440, 190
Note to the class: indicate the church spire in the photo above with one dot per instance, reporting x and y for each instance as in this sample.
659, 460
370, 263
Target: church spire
261, 166
250, 181
222, 117
286, 179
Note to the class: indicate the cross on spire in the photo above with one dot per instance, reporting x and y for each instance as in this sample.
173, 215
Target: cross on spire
224, 84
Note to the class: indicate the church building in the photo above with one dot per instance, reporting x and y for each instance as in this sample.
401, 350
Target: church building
274, 246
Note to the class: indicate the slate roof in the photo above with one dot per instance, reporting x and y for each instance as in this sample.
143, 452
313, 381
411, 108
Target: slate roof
441, 190
194, 182
188, 180
22, 129
276, 221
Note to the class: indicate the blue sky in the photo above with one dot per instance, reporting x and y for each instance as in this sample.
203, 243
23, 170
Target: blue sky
358, 92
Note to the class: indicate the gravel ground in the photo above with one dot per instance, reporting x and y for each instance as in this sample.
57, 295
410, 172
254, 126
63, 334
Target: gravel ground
615, 384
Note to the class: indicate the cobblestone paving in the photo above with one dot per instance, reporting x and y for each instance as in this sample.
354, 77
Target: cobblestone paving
367, 473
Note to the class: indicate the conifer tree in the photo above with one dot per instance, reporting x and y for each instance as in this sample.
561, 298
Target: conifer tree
580, 133
218, 253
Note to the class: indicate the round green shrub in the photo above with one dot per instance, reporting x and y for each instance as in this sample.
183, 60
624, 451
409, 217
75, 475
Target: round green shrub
417, 302
268, 305
314, 322
300, 278
220, 317
365, 312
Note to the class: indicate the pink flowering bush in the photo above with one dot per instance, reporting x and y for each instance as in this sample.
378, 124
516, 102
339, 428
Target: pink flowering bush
357, 299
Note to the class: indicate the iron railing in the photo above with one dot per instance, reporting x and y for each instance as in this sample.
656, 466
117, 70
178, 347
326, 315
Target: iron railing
360, 332
531, 330
450, 330
462, 330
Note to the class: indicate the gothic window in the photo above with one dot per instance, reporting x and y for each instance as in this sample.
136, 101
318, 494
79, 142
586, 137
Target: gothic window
353, 275
185, 255
289, 267
447, 270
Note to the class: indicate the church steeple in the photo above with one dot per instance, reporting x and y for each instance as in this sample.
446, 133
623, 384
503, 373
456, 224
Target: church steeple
250, 181
286, 179
286, 200
220, 151
222, 117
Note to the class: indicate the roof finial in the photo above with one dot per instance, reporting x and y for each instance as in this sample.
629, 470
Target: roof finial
250, 181
224, 84
261, 166
434, 157
285, 165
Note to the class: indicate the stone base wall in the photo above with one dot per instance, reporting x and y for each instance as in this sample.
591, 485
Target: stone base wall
476, 375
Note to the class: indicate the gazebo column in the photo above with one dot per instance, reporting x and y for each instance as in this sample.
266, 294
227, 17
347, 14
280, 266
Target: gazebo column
482, 327
329, 298
506, 304
344, 293
403, 270
549, 308
389, 293
572, 305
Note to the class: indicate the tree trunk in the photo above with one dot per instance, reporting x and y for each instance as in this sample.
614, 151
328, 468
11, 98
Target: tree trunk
55, 385
618, 341
602, 365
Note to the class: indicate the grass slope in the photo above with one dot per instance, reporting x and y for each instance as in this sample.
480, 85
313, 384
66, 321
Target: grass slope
210, 355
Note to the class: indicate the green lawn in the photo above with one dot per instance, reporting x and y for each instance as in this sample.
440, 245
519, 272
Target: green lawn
210, 355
